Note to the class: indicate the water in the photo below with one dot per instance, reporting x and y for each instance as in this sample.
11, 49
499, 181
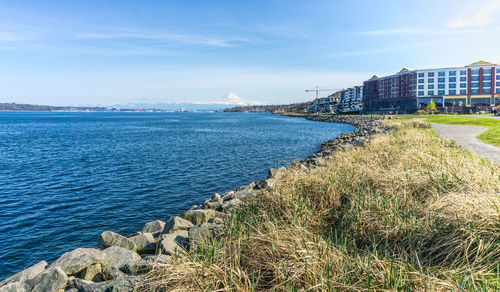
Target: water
66, 177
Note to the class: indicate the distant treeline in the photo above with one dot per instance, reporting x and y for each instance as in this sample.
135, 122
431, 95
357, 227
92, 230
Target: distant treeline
49, 108
292, 108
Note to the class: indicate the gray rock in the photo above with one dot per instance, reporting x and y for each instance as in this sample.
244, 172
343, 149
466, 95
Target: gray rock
19, 286
227, 196
204, 232
52, 280
110, 273
154, 226
176, 223
201, 216
119, 257
231, 205
174, 243
109, 238
244, 194
75, 261
92, 273
125, 283
147, 264
145, 242
27, 274
216, 220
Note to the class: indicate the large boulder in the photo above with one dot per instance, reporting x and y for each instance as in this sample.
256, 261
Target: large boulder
201, 216
19, 286
110, 273
204, 232
154, 227
213, 203
231, 205
92, 273
75, 261
176, 223
124, 283
174, 243
109, 238
145, 242
147, 263
27, 274
52, 280
119, 257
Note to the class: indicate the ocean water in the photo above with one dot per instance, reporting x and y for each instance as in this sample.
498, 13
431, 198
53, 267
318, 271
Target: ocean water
67, 177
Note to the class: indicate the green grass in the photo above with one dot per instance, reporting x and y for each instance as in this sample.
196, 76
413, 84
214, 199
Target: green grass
492, 136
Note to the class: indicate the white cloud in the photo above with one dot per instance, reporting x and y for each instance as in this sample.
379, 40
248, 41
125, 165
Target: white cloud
215, 41
413, 31
480, 18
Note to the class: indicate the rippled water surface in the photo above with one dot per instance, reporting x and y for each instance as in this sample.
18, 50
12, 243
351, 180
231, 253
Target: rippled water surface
66, 177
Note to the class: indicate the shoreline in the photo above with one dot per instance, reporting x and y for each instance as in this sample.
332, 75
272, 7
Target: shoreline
121, 260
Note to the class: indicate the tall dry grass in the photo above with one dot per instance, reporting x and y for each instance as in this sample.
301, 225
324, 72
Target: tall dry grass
410, 211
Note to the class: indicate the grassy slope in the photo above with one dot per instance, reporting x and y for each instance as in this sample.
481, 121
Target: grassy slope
410, 211
492, 136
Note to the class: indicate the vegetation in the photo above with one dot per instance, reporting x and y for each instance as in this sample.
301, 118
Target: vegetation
410, 211
491, 136
290, 108
431, 107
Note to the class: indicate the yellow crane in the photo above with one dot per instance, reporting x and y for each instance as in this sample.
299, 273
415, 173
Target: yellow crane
318, 89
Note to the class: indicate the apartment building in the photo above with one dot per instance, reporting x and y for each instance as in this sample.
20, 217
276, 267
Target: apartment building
456, 88
350, 99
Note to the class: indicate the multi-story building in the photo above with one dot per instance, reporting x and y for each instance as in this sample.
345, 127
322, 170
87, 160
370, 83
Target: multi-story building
456, 88
322, 104
350, 99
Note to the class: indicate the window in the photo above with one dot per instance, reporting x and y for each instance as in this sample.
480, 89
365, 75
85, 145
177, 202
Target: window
420, 87
463, 91
420, 93
430, 80
498, 77
474, 91
475, 71
441, 73
430, 74
498, 70
420, 74
487, 71
430, 92
441, 79
463, 85
475, 84
498, 84
441, 86
474, 78
487, 77
430, 86
463, 79
452, 79
452, 85
452, 92
486, 84
440, 92
463, 72
420, 80
452, 73
498, 90
487, 90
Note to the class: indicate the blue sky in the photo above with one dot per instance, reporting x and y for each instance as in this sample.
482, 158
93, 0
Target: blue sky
107, 52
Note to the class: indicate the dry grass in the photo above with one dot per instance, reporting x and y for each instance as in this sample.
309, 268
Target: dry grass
410, 212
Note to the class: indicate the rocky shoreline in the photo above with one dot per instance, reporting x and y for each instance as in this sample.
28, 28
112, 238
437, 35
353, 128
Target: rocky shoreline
119, 261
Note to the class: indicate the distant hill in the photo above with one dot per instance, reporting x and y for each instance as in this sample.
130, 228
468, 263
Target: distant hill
45, 108
292, 108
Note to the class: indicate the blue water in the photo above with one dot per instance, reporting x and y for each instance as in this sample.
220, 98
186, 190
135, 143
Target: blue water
66, 177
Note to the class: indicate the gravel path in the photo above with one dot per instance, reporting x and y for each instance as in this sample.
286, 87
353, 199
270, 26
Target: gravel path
466, 136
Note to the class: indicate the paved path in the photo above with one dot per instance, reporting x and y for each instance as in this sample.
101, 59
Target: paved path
466, 136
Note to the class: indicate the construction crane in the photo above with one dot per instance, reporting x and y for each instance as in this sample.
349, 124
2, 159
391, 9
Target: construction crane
317, 90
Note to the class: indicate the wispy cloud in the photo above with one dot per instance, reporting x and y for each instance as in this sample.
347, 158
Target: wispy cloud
216, 41
413, 31
480, 18
378, 51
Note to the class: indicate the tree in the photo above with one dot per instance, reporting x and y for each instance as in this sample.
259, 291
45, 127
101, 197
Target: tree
431, 106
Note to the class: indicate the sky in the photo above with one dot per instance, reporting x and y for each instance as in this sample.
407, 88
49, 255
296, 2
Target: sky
258, 52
